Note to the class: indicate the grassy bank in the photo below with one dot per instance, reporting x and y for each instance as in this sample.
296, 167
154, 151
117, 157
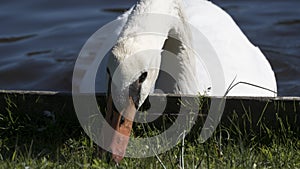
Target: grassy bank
37, 139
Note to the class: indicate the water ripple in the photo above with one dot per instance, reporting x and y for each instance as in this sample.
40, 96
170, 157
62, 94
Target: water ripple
16, 38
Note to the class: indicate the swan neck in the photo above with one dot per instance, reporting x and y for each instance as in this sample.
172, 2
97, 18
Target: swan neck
157, 6
147, 27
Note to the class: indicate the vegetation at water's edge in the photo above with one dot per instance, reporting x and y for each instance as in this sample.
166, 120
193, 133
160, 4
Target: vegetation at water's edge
38, 140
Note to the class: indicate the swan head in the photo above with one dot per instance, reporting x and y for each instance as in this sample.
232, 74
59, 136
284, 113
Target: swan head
132, 78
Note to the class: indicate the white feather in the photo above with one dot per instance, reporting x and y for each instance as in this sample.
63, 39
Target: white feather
239, 59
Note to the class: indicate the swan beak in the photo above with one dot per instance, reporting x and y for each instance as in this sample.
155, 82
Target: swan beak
122, 126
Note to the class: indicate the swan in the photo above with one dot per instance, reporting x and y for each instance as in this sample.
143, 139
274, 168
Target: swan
134, 62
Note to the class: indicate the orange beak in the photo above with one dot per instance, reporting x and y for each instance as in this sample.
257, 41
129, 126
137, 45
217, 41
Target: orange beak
122, 121
122, 127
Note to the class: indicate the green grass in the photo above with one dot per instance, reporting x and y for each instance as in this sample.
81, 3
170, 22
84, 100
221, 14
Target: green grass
29, 140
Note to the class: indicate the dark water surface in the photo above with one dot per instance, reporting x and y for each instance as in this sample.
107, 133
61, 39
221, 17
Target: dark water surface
40, 40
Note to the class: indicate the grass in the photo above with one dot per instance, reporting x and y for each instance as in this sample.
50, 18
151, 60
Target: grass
34, 140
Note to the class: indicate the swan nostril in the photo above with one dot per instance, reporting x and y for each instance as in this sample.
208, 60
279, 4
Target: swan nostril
122, 120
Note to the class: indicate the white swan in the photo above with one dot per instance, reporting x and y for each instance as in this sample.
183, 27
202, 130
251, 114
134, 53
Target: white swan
135, 54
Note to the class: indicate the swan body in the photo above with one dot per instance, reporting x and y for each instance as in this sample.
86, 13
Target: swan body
134, 62
241, 61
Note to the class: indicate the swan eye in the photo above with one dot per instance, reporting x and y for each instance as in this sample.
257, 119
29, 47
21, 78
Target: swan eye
143, 77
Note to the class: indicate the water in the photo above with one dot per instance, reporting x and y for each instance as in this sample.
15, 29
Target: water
40, 40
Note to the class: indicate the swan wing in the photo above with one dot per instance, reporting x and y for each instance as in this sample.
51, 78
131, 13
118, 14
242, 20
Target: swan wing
240, 59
